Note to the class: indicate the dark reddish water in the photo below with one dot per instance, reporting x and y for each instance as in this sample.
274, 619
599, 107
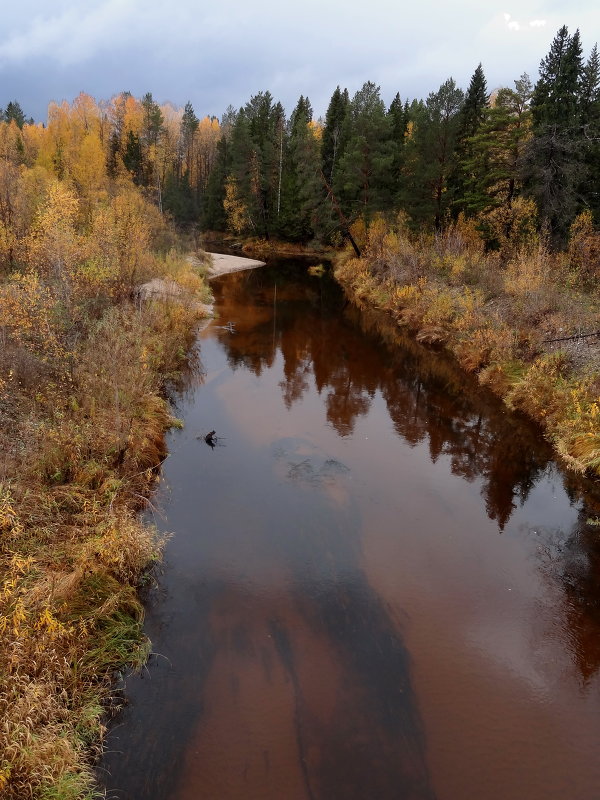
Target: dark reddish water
380, 586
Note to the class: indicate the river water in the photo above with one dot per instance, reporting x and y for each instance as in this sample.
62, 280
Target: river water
380, 586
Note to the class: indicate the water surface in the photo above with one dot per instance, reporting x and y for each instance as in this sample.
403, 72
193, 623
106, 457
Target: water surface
380, 585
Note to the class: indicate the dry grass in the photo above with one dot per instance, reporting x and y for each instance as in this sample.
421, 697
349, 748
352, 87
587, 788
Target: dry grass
495, 312
82, 438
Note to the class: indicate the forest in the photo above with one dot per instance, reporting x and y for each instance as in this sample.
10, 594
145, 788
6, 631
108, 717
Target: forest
470, 216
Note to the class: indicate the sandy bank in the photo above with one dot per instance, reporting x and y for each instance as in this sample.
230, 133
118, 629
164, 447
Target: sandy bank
222, 264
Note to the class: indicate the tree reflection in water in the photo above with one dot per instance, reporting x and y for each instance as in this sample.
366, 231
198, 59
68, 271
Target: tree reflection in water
351, 356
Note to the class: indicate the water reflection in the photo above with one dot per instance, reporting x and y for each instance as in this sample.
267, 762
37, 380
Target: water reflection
427, 399
351, 356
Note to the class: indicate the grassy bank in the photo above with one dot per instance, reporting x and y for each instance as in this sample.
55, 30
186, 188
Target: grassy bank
83, 369
500, 314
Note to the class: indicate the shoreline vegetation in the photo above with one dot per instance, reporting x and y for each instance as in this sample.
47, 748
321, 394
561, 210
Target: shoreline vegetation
84, 368
517, 318
82, 460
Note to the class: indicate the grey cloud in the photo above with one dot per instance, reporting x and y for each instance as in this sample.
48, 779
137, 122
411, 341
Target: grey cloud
217, 55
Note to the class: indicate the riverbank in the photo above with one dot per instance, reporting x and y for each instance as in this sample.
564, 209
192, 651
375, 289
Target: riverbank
257, 246
82, 424
512, 318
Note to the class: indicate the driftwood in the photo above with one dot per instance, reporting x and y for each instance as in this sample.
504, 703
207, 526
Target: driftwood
571, 338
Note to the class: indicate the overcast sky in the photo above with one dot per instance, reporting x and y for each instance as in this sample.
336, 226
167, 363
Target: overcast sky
221, 52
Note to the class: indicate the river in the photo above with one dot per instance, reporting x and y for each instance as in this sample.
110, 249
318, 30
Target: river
380, 586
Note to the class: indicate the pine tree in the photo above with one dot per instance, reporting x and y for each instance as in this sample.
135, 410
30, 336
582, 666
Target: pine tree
431, 154
492, 171
363, 182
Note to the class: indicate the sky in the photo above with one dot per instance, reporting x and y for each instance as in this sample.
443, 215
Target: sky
223, 52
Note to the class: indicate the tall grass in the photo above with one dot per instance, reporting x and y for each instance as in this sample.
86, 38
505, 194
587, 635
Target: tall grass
81, 432
497, 312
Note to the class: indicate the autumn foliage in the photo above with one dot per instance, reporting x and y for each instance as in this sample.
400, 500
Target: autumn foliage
83, 364
511, 316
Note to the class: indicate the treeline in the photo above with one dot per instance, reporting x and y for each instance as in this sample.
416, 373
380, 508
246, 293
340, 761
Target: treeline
526, 155
489, 156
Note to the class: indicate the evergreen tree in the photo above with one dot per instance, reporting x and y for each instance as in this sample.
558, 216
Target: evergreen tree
590, 88
332, 143
554, 168
179, 198
471, 117
398, 116
302, 113
363, 182
556, 95
302, 186
262, 121
432, 153
244, 181
133, 159
473, 109
492, 176
214, 216
188, 127
153, 119
151, 130
590, 122
14, 113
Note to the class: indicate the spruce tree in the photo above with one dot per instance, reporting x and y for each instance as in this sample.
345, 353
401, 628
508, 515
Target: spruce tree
473, 110
554, 167
264, 120
557, 92
332, 143
398, 117
590, 123
214, 217
302, 185
132, 157
153, 119
14, 113
470, 120
590, 87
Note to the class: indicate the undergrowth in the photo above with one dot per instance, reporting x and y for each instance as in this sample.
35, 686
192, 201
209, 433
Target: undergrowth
499, 314
83, 367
